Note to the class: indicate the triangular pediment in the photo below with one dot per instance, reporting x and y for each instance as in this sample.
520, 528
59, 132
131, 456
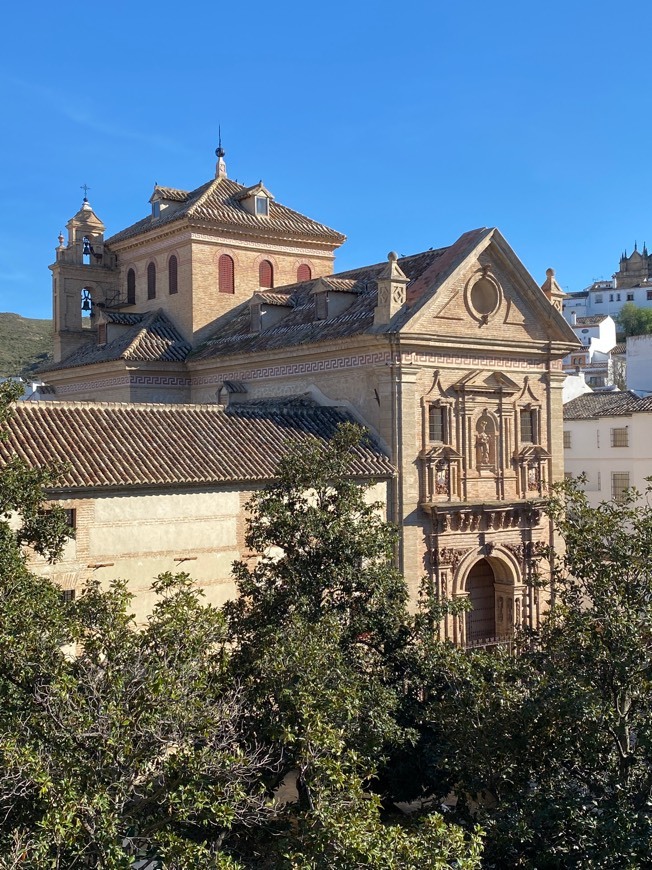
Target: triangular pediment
442, 451
255, 190
487, 382
484, 294
533, 451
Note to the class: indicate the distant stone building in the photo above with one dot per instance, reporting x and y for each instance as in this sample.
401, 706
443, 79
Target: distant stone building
631, 283
221, 303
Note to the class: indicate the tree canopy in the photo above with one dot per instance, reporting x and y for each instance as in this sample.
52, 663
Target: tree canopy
633, 320
248, 738
551, 750
314, 722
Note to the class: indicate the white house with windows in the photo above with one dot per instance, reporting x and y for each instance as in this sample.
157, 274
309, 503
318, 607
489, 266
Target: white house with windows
608, 438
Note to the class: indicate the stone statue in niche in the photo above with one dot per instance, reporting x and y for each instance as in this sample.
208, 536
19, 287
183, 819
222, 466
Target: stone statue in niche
484, 442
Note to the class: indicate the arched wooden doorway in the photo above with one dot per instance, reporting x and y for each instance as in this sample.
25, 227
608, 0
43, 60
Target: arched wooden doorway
481, 620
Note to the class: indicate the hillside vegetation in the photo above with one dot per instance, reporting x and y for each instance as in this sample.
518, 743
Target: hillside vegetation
25, 344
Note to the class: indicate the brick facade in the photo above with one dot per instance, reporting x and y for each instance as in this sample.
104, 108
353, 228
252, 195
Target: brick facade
464, 331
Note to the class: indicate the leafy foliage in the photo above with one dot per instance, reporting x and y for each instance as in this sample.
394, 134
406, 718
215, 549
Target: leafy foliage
133, 746
167, 742
551, 751
321, 638
633, 320
114, 743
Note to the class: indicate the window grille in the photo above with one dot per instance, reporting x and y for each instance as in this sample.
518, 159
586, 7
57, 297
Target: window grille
620, 437
68, 595
567, 439
527, 428
619, 484
436, 426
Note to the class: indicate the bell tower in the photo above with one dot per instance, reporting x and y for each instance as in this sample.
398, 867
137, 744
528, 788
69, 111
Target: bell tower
84, 276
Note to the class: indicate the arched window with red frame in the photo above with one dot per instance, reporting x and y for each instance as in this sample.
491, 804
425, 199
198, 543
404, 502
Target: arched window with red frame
266, 274
225, 274
131, 287
304, 272
173, 271
151, 281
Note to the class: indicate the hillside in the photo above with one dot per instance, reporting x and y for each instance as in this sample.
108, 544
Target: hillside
25, 344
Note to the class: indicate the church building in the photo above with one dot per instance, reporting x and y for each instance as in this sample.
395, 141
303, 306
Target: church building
194, 346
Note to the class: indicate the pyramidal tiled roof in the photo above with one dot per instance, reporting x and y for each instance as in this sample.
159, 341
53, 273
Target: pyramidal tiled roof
425, 272
219, 201
149, 337
115, 444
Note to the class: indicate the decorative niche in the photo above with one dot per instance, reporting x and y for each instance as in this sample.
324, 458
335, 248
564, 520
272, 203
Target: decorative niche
440, 463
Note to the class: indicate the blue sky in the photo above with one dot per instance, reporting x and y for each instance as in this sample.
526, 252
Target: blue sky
401, 125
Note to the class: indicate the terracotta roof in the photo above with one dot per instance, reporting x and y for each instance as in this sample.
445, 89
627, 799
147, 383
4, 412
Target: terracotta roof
300, 326
170, 193
123, 318
150, 337
619, 349
590, 320
612, 404
111, 445
272, 297
218, 202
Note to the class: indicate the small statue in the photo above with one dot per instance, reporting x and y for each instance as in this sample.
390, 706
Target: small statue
482, 443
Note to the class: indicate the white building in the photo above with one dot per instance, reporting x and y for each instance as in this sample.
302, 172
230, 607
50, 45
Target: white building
608, 438
597, 332
631, 283
638, 362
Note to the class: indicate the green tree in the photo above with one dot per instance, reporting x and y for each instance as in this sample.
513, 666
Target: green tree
322, 639
633, 320
551, 750
115, 743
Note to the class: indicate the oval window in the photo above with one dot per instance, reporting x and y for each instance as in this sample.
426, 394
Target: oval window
484, 296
